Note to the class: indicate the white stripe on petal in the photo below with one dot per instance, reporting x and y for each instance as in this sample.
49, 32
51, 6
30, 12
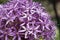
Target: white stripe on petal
12, 34
22, 24
40, 20
28, 18
3, 18
15, 4
7, 22
1, 31
43, 27
24, 27
30, 32
35, 36
28, 26
38, 31
21, 30
19, 38
26, 35
14, 38
47, 26
6, 38
37, 27
9, 13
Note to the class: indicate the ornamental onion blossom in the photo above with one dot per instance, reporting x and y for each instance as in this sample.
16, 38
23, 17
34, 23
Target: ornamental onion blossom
25, 20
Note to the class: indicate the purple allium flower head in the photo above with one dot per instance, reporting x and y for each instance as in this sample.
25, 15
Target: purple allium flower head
25, 20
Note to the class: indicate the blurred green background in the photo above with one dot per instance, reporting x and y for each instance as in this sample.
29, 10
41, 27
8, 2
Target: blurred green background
55, 14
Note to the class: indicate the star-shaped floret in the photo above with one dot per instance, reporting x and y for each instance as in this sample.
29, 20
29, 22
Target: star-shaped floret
14, 38
31, 30
13, 33
28, 13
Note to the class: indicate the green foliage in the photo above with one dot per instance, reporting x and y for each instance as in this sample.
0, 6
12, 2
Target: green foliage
39, 0
3, 1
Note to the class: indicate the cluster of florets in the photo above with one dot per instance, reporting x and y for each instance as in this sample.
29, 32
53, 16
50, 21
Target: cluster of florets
25, 20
